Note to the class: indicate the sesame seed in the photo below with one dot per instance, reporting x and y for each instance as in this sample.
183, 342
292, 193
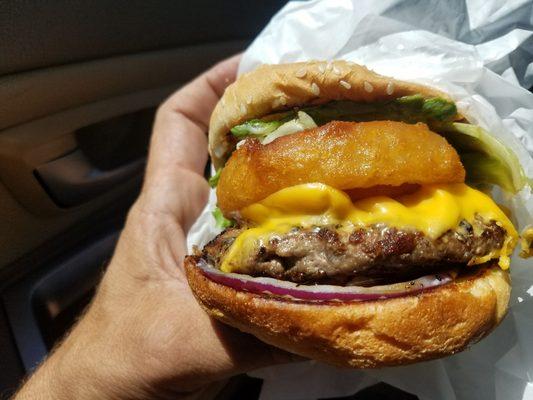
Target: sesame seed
321, 68
283, 101
336, 71
275, 103
249, 100
315, 89
243, 109
345, 84
390, 88
329, 66
368, 87
301, 73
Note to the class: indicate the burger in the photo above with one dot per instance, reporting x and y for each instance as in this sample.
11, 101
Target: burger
359, 229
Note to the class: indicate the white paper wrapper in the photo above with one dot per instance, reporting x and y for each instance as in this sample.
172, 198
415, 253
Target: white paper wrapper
474, 51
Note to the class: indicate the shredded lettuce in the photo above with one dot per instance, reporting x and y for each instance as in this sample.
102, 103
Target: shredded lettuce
267, 131
410, 109
221, 221
213, 181
486, 160
300, 123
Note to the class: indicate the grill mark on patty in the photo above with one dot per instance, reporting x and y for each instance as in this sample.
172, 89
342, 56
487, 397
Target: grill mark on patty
373, 255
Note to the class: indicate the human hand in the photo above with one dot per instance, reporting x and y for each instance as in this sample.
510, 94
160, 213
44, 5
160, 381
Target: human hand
144, 335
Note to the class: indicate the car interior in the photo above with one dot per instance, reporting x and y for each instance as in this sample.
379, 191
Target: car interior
79, 85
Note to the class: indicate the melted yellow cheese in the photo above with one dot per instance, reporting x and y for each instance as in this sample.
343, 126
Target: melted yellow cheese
433, 210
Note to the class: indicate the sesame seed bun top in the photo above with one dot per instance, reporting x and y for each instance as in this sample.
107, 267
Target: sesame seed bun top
274, 88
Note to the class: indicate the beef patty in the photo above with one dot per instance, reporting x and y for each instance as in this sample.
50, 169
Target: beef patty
374, 255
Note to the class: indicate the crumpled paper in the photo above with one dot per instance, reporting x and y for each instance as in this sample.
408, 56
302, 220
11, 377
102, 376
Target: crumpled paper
481, 53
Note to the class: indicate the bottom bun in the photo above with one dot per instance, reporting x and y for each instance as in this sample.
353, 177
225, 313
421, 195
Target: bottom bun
365, 334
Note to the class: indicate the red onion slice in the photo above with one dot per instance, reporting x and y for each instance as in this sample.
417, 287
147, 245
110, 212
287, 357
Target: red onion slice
318, 293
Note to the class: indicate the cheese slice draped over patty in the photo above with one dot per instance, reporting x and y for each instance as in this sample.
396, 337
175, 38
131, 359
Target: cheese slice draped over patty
432, 210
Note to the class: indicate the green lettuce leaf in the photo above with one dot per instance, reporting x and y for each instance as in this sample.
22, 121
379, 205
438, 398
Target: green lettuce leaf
410, 109
486, 160
439, 109
221, 221
213, 181
255, 127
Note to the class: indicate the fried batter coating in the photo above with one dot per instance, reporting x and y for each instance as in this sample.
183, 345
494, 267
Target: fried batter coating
344, 155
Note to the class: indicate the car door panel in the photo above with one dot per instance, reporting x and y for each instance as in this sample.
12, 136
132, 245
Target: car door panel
28, 147
79, 86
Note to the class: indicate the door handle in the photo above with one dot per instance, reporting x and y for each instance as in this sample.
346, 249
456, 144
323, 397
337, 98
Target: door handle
72, 180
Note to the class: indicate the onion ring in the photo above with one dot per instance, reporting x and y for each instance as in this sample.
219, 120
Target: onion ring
343, 155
